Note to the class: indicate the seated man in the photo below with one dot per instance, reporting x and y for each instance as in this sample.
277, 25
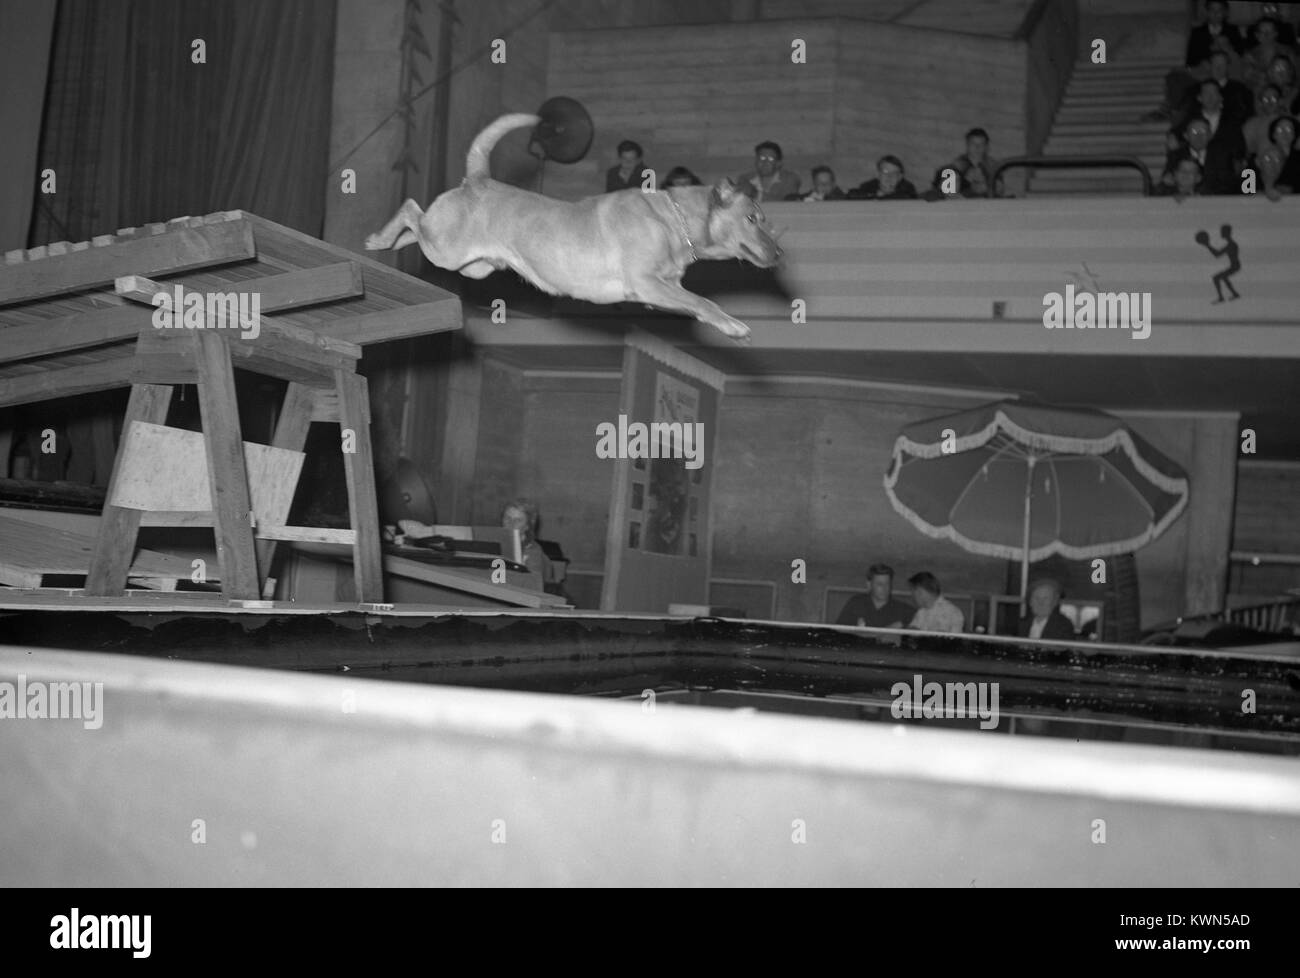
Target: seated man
766, 181
935, 613
878, 608
1045, 619
971, 174
1219, 157
824, 187
629, 173
888, 184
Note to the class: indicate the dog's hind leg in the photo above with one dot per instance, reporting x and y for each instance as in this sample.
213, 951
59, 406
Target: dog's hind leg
673, 298
401, 231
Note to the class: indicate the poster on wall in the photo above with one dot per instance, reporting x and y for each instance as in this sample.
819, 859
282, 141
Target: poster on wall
667, 529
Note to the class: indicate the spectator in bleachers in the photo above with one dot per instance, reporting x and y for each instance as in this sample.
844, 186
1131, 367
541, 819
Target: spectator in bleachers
878, 608
1254, 133
1224, 124
630, 172
1284, 31
767, 181
889, 182
1045, 619
1268, 45
935, 613
1283, 136
1269, 163
1184, 179
679, 176
1281, 72
824, 187
974, 170
1218, 156
1216, 34
1238, 100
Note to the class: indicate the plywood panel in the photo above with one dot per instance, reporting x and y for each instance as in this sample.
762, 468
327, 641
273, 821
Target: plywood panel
166, 469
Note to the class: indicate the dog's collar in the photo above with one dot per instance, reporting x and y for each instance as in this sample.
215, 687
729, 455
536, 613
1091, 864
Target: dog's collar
681, 219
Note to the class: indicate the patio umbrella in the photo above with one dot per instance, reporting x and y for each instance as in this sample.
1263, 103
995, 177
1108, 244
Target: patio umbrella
1026, 481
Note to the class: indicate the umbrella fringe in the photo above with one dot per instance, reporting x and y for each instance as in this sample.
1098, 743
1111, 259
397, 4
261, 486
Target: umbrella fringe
949, 532
1120, 438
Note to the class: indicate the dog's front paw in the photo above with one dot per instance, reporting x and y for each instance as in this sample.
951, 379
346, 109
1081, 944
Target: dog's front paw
374, 243
734, 328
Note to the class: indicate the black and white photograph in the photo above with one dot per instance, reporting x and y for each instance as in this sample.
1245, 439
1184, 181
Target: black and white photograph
671, 444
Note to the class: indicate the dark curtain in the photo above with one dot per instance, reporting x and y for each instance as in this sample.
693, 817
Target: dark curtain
138, 133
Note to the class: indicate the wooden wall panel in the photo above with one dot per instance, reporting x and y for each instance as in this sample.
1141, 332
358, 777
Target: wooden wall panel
704, 97
1268, 508
558, 467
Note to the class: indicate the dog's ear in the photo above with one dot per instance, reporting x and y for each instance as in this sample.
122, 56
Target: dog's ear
724, 192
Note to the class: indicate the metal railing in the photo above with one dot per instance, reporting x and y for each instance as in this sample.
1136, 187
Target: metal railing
1076, 163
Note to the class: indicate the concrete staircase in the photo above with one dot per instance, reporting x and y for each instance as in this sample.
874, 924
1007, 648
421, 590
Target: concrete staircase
1101, 114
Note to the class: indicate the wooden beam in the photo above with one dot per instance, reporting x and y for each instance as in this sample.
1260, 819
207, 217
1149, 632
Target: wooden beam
176, 250
165, 355
395, 324
305, 534
223, 444
76, 332
291, 429
140, 289
303, 287
82, 378
118, 527
359, 467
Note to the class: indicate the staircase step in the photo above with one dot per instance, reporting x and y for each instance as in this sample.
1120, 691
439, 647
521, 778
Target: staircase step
1120, 126
1135, 101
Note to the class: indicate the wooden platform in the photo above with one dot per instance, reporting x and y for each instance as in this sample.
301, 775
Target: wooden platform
242, 293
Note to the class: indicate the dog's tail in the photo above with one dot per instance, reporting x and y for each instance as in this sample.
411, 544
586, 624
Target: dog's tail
476, 161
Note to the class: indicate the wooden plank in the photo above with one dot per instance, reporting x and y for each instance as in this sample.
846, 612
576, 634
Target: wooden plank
359, 468
118, 527
395, 324
167, 356
67, 381
270, 533
76, 332
291, 429
460, 581
224, 447
142, 290
166, 253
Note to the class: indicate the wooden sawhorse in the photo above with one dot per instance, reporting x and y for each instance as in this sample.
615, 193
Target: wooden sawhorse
323, 386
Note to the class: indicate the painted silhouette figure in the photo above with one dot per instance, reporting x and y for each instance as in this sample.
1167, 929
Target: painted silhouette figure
1234, 260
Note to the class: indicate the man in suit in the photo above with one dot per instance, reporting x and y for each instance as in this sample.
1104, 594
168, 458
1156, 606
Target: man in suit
1045, 619
1238, 100
1213, 138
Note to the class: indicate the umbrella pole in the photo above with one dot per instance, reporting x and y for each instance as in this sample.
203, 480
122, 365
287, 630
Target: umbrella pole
1024, 553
